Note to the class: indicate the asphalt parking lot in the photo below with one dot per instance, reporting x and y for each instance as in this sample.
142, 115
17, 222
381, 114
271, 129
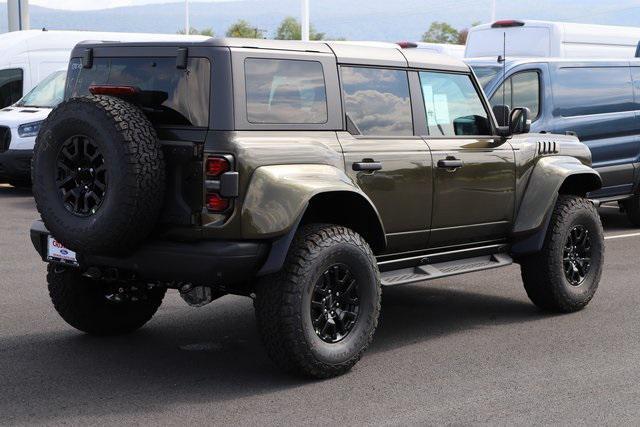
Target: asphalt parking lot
468, 349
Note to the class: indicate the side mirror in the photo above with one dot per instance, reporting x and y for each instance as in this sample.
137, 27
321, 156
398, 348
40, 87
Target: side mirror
520, 121
502, 113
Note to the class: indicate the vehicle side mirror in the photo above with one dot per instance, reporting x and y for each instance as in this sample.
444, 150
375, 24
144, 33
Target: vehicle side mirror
502, 113
520, 121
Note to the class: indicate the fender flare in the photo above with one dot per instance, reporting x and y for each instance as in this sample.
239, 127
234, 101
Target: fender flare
278, 198
545, 184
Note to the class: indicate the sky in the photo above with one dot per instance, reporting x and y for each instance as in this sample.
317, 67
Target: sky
102, 4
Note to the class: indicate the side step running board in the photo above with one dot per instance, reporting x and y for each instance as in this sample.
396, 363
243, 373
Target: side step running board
444, 269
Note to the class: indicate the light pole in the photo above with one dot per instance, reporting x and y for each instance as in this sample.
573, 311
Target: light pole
493, 10
18, 14
187, 25
304, 22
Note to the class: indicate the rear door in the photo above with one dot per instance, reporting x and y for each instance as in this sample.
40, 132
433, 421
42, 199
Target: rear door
597, 104
473, 171
384, 156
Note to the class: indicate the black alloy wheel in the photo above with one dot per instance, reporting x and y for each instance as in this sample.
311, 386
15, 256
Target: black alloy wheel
577, 255
81, 176
335, 304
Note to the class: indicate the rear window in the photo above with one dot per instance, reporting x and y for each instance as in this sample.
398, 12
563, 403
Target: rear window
168, 95
585, 91
10, 86
283, 91
527, 41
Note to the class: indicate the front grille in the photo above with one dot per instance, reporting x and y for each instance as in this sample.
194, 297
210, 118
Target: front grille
5, 138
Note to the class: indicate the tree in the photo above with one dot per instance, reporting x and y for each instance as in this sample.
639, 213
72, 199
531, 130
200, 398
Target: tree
462, 35
204, 32
441, 32
243, 29
290, 29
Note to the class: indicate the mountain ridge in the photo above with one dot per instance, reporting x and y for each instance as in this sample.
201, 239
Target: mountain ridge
353, 19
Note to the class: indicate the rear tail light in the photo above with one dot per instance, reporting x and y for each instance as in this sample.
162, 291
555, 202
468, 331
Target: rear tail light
113, 90
407, 45
216, 166
217, 203
221, 183
507, 23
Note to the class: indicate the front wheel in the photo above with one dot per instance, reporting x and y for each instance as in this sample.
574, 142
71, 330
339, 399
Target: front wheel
564, 275
101, 308
318, 315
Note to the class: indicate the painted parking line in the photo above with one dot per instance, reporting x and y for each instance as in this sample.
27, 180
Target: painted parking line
621, 236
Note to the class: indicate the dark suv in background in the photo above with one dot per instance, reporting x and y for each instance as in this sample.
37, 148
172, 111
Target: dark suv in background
303, 175
596, 100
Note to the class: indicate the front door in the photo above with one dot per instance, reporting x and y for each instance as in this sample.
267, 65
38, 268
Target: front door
384, 157
473, 171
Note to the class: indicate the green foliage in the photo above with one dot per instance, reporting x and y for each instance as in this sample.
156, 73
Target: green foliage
204, 32
243, 29
441, 32
290, 29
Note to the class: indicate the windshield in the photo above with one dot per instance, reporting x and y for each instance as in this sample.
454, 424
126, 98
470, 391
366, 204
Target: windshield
485, 73
48, 94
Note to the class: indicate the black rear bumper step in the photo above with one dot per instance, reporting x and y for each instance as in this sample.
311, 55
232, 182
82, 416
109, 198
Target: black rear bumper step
444, 269
207, 262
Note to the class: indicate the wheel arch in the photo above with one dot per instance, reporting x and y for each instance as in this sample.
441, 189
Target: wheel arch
281, 197
551, 177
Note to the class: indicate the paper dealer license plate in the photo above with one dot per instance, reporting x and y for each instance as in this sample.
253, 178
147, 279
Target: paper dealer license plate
58, 253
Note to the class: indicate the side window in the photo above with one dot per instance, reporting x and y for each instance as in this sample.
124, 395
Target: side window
10, 86
453, 105
520, 90
377, 101
583, 91
283, 91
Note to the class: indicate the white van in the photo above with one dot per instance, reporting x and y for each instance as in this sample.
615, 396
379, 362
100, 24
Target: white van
551, 39
27, 57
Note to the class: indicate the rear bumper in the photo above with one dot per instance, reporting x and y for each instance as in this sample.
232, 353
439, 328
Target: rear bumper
209, 262
16, 165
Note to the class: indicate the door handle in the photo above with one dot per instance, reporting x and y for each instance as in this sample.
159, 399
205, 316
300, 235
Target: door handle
450, 163
366, 165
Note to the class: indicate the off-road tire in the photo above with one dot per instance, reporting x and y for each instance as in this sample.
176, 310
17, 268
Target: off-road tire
82, 303
632, 209
543, 274
284, 321
135, 169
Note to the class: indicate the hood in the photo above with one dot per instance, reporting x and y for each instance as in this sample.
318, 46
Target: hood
15, 116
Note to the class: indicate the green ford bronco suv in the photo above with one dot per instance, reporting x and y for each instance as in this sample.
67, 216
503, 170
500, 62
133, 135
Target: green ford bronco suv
306, 176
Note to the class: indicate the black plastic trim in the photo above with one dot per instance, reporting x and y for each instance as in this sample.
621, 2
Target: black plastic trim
205, 262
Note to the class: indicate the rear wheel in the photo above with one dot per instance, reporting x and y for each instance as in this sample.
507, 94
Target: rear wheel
564, 275
318, 315
101, 308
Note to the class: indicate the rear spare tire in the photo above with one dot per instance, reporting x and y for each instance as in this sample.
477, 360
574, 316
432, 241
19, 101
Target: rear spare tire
98, 175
